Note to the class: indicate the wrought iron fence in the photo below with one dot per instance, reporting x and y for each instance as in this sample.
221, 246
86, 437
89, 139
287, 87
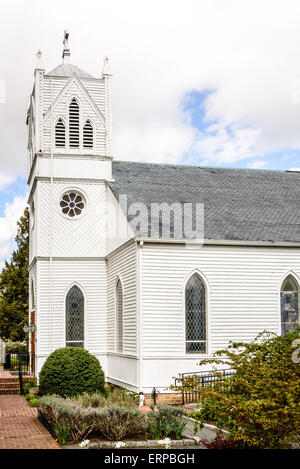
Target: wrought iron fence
203, 378
21, 364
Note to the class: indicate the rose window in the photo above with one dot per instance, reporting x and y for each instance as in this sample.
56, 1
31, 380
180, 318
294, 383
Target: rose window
72, 204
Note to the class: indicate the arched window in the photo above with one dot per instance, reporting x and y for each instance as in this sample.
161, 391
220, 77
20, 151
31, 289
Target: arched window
74, 124
195, 315
119, 304
74, 318
88, 135
289, 304
60, 134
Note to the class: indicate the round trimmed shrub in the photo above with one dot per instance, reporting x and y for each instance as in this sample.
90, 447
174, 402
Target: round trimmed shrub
70, 371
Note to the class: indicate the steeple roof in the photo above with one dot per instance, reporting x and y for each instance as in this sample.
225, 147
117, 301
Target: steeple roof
67, 70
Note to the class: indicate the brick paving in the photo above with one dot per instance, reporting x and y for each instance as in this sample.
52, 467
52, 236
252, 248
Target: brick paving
20, 427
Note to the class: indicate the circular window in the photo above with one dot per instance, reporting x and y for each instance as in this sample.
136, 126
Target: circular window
72, 204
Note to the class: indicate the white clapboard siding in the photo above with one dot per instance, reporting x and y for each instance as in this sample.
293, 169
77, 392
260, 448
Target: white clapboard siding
61, 109
243, 293
96, 90
122, 264
81, 237
90, 276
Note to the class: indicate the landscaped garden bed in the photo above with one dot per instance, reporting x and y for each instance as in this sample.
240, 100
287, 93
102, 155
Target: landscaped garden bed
111, 418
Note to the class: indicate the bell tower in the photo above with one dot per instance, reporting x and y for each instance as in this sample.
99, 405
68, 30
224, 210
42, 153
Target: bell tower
70, 166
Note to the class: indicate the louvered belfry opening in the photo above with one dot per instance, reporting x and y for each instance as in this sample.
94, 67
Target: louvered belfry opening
60, 134
75, 318
74, 124
88, 137
119, 295
195, 315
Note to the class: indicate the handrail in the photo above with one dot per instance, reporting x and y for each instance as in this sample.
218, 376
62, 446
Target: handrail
207, 378
22, 363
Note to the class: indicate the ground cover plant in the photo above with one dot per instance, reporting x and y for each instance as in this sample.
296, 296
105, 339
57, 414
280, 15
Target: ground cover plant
112, 417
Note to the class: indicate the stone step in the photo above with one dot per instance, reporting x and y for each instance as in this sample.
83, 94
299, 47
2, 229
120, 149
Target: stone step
15, 378
9, 385
9, 391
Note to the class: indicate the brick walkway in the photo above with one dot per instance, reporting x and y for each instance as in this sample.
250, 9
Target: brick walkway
20, 427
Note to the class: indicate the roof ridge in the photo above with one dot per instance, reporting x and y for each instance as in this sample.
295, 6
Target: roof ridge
65, 72
222, 168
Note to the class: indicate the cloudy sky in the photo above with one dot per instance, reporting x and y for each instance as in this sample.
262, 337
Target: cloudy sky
202, 82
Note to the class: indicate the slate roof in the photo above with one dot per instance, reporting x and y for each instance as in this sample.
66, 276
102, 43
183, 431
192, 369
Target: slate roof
239, 204
67, 70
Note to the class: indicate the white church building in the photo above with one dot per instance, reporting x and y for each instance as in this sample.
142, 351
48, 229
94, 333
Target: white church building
113, 265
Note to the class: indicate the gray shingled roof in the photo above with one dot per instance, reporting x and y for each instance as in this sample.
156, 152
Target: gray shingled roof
239, 204
67, 70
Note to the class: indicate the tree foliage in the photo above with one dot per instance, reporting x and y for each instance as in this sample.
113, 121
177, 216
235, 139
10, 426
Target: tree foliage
14, 286
260, 403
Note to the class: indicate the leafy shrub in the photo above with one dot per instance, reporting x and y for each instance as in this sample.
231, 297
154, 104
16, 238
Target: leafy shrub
14, 347
67, 417
62, 433
90, 400
121, 397
166, 421
117, 422
34, 402
209, 409
70, 420
259, 404
69, 371
28, 385
220, 442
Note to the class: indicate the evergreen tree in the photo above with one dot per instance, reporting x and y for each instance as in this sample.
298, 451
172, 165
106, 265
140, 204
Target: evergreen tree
14, 286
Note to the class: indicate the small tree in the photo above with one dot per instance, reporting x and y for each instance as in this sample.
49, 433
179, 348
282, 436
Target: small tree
14, 286
260, 403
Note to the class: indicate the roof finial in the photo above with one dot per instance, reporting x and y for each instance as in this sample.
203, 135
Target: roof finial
39, 60
106, 67
66, 51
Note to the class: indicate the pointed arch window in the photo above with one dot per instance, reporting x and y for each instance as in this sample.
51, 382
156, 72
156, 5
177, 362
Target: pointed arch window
74, 124
289, 304
195, 315
119, 321
60, 134
88, 135
74, 318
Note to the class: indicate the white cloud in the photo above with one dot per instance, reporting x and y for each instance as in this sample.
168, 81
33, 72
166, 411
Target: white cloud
5, 181
154, 143
8, 223
247, 52
257, 164
222, 145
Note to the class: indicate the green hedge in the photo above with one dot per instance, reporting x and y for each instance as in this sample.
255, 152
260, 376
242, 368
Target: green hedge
70, 371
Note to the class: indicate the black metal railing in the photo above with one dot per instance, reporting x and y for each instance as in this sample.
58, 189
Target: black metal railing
21, 364
193, 386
